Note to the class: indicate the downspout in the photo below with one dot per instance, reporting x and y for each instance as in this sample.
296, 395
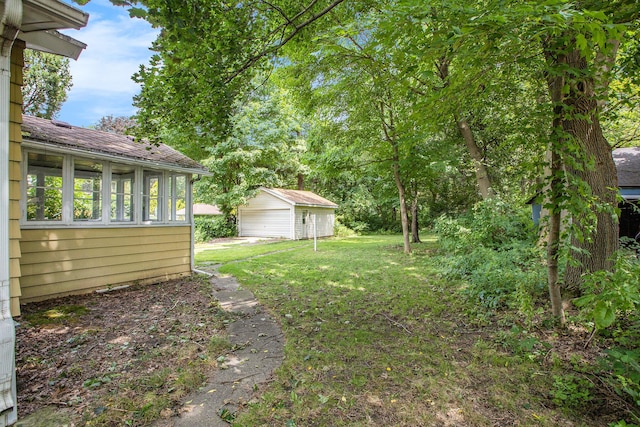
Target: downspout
9, 27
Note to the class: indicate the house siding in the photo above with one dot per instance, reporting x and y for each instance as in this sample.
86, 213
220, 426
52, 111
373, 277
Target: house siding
15, 159
58, 262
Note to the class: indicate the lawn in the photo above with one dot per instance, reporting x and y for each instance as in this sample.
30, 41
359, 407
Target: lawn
375, 337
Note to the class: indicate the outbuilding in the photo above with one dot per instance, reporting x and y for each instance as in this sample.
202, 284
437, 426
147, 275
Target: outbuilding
627, 162
287, 214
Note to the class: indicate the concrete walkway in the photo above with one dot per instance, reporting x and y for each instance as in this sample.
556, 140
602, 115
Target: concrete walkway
258, 342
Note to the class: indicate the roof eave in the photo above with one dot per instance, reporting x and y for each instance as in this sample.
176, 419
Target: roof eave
52, 41
58, 16
30, 143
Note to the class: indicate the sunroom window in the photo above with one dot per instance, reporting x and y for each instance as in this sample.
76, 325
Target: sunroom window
177, 198
122, 184
87, 190
152, 196
61, 189
44, 187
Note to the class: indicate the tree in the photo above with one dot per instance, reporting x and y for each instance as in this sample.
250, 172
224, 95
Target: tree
120, 125
46, 82
264, 148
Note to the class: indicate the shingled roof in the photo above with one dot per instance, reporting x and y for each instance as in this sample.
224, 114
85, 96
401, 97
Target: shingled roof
63, 135
301, 198
627, 162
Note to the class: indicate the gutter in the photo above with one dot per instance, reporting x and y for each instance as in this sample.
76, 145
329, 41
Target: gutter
9, 28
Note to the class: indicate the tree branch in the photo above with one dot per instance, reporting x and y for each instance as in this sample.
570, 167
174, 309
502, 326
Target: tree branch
254, 59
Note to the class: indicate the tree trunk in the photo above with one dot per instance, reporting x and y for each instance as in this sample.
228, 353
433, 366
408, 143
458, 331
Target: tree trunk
557, 192
415, 230
404, 217
482, 176
578, 126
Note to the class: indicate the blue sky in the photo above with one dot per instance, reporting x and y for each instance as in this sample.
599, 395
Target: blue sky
116, 47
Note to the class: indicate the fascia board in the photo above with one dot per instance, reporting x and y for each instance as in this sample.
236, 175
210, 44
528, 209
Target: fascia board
53, 42
57, 15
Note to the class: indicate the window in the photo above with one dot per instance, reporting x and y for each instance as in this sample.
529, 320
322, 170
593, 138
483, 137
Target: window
178, 198
152, 196
122, 184
87, 190
62, 189
44, 187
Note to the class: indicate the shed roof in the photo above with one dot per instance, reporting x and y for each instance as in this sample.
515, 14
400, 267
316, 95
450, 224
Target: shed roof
300, 197
63, 135
627, 162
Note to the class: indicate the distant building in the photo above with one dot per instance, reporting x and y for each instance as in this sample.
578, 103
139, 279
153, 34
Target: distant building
287, 214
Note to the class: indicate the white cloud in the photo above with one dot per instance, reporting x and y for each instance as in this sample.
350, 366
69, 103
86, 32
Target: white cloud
116, 47
115, 50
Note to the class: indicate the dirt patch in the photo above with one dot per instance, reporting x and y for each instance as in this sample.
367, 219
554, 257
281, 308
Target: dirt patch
105, 356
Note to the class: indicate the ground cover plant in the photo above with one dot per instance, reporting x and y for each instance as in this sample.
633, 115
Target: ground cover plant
126, 357
376, 337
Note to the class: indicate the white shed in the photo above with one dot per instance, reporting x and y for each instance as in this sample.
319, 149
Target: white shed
289, 214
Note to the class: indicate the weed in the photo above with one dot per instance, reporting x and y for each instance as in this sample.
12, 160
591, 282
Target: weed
56, 316
571, 391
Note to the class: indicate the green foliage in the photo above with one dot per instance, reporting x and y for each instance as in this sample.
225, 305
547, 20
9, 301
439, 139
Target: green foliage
493, 249
47, 80
611, 294
624, 365
610, 303
340, 230
207, 228
571, 391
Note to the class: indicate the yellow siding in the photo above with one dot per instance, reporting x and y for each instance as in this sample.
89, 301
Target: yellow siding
15, 157
57, 262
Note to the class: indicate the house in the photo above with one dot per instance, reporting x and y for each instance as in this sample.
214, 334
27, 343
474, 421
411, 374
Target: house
100, 210
288, 214
24, 24
627, 162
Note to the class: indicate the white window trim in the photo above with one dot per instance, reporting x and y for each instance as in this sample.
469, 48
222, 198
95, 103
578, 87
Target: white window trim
106, 222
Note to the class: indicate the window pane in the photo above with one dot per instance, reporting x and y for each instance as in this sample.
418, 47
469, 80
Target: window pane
177, 203
122, 180
44, 187
87, 191
152, 196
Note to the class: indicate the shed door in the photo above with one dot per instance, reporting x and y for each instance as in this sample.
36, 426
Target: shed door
265, 223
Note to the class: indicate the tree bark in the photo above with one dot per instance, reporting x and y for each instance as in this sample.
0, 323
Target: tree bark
577, 124
404, 217
557, 192
415, 229
482, 176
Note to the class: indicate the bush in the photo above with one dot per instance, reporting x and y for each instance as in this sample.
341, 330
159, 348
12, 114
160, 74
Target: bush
207, 228
340, 230
493, 249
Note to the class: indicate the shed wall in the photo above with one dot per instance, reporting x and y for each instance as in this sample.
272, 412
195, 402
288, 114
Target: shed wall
265, 216
58, 262
324, 217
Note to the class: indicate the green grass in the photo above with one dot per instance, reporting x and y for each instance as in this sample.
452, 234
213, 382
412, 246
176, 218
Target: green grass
239, 252
375, 337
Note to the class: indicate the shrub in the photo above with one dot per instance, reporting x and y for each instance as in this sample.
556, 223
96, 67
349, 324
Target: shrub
493, 249
610, 303
207, 228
